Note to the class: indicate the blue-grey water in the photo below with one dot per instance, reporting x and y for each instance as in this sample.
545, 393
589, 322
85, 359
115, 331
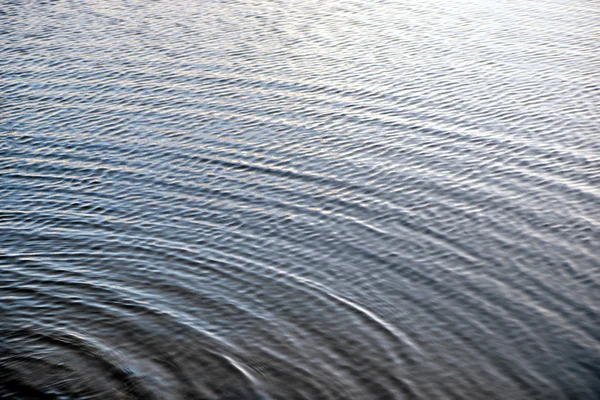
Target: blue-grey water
317, 199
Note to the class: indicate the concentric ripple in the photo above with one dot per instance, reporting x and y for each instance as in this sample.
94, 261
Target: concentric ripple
269, 200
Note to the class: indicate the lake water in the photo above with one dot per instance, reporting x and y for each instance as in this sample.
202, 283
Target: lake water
318, 199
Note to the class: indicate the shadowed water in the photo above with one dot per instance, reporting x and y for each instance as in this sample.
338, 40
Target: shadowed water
318, 199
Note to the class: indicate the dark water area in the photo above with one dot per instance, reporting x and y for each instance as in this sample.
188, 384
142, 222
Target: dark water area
277, 200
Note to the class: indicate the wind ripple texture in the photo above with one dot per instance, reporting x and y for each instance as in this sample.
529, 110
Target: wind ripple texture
277, 200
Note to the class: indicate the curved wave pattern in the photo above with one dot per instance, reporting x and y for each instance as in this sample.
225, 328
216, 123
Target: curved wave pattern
258, 199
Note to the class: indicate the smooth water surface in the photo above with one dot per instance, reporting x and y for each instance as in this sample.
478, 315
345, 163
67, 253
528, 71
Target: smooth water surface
315, 199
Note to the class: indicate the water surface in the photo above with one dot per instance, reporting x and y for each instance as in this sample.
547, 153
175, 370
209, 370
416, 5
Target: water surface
310, 199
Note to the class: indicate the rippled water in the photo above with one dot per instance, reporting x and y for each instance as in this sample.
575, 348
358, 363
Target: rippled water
326, 199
